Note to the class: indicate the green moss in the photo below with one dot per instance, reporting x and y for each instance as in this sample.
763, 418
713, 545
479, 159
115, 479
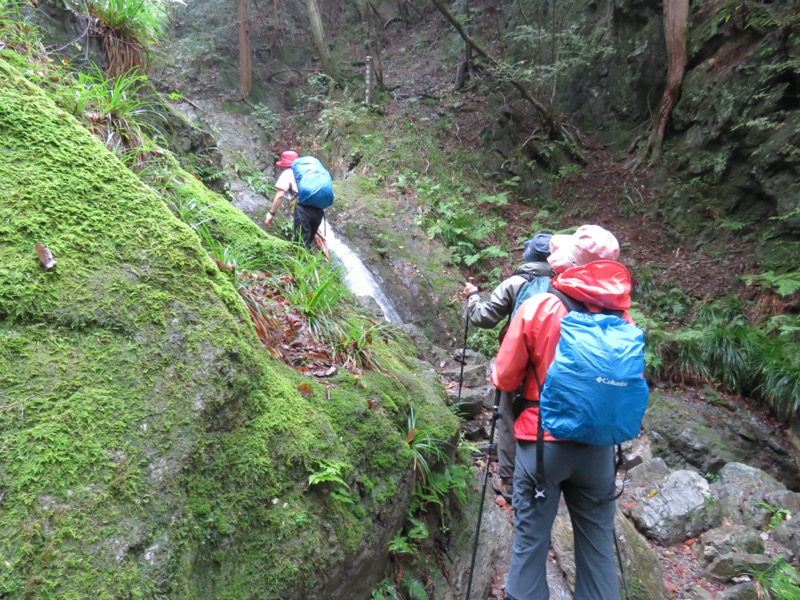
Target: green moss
150, 443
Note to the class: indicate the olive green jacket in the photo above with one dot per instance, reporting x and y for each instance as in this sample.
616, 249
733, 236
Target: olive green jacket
487, 314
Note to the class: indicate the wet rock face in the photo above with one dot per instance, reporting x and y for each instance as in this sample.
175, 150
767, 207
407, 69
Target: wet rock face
701, 436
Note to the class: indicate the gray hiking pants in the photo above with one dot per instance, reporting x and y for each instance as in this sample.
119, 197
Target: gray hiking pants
506, 443
585, 475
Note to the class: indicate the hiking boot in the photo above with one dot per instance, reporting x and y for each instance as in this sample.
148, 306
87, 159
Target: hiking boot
503, 487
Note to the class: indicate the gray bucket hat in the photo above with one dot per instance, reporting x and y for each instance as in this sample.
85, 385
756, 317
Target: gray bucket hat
537, 249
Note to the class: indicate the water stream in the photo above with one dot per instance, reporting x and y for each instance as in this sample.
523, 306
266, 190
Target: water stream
357, 276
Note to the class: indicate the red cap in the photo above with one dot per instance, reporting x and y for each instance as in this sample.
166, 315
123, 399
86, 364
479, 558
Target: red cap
287, 158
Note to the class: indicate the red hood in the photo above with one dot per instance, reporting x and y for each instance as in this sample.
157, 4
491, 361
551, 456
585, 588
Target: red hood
603, 284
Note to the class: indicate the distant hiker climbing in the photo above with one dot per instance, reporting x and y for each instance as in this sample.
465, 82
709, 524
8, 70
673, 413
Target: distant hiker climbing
569, 350
305, 178
530, 278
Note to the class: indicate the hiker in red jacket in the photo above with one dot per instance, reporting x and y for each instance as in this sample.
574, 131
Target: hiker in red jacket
586, 271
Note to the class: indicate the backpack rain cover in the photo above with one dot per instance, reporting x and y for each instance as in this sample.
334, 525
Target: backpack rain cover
595, 391
314, 183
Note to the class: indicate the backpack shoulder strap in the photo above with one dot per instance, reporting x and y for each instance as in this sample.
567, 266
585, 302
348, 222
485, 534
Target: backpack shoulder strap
569, 302
579, 306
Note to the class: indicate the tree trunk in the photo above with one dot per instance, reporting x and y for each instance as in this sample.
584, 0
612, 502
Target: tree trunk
554, 127
278, 27
676, 14
318, 35
245, 66
373, 42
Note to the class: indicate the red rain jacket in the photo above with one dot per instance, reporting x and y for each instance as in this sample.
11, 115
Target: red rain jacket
535, 330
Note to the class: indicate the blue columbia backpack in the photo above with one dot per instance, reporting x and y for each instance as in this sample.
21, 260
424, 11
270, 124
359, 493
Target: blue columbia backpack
595, 392
314, 183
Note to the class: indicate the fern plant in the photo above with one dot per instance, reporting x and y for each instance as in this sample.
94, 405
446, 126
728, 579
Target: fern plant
779, 582
333, 472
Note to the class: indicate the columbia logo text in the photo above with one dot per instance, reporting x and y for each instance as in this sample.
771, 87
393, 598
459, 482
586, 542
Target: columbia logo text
607, 381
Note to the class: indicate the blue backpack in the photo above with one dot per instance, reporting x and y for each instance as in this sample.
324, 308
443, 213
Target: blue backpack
314, 183
536, 285
595, 391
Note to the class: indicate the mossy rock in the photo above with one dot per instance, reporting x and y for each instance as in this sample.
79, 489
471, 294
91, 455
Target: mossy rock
151, 446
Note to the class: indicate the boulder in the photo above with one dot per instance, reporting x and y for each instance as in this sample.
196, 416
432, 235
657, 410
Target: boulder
728, 539
678, 507
742, 491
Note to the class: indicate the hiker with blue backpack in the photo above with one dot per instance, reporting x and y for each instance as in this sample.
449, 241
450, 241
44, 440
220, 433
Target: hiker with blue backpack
532, 277
578, 361
306, 178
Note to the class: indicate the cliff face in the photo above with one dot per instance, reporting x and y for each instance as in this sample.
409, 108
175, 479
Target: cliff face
151, 446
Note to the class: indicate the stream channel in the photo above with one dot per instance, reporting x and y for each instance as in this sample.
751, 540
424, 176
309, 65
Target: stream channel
358, 277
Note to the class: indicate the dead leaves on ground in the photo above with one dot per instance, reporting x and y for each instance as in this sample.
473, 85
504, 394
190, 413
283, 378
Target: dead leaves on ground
283, 330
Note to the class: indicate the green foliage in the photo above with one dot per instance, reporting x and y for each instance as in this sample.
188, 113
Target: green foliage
484, 341
434, 487
448, 213
784, 284
657, 303
127, 29
424, 445
386, 590
187, 211
317, 289
779, 582
552, 49
266, 118
415, 589
410, 589
333, 471
758, 15
399, 544
230, 259
777, 515
722, 345
355, 345
17, 32
112, 108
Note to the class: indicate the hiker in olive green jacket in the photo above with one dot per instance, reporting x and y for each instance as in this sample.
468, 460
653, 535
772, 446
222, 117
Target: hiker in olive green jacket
486, 314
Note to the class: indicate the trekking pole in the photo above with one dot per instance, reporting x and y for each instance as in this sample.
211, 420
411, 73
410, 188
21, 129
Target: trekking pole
621, 568
495, 415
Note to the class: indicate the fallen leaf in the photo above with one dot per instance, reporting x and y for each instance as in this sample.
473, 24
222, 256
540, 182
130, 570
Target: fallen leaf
305, 390
45, 256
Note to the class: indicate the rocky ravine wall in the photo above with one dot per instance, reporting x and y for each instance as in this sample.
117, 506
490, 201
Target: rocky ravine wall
734, 136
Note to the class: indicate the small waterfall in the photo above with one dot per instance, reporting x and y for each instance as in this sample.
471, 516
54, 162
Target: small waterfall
358, 278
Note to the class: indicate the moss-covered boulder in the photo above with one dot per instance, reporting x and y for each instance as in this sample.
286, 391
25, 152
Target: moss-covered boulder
150, 446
